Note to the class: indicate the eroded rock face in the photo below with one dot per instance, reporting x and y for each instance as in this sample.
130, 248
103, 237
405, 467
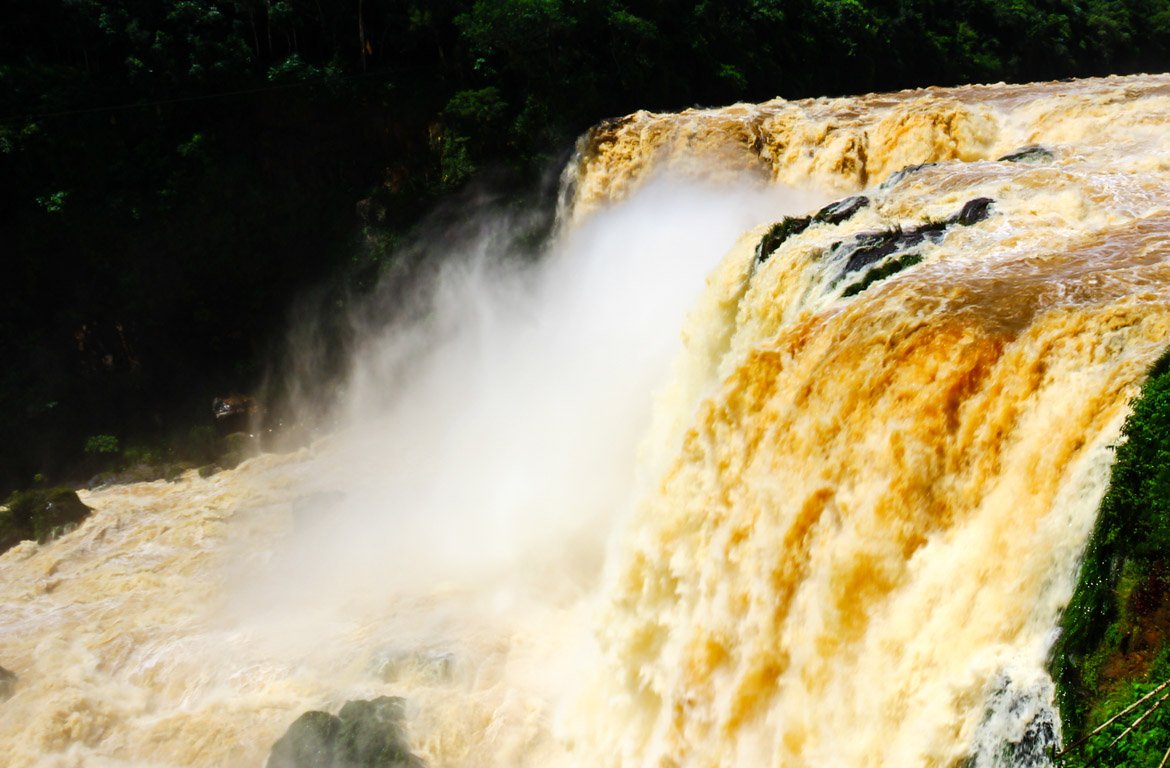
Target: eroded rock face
7, 684
364, 734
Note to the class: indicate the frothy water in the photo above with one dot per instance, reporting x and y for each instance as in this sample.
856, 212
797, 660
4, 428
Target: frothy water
832, 523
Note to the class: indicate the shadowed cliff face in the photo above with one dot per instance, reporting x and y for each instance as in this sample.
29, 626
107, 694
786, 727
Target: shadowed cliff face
840, 534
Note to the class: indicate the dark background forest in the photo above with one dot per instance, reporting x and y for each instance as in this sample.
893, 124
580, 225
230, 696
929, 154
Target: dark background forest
176, 173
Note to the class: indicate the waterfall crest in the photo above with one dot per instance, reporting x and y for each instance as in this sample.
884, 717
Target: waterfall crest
836, 526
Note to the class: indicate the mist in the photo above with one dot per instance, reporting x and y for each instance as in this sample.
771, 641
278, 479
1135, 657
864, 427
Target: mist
489, 426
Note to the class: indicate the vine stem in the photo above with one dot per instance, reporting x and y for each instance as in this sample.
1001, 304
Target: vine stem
1138, 722
1111, 720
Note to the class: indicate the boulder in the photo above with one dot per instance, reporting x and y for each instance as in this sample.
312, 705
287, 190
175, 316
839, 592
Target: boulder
372, 734
310, 742
235, 448
364, 734
40, 514
7, 684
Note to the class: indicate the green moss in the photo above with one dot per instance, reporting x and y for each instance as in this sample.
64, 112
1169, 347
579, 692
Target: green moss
39, 514
788, 227
1113, 642
363, 734
891, 267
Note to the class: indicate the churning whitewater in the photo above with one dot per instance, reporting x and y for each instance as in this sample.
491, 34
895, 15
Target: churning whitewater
834, 526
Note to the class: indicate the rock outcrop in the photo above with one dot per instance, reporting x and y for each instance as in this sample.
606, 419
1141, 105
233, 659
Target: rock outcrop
364, 734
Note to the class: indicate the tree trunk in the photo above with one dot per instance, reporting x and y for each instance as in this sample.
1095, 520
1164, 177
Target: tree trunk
361, 35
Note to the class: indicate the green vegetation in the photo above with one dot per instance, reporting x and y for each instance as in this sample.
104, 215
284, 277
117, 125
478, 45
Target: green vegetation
176, 173
1113, 646
101, 444
39, 515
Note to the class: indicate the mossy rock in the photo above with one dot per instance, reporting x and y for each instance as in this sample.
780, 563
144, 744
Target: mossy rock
789, 226
235, 448
40, 515
372, 733
364, 734
310, 741
896, 247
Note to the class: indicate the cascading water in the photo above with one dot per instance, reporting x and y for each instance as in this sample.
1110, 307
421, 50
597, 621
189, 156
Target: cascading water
842, 535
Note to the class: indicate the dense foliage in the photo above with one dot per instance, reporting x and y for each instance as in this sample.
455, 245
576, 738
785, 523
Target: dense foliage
1113, 646
174, 171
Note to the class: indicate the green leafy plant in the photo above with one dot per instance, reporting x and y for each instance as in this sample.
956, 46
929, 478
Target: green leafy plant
101, 444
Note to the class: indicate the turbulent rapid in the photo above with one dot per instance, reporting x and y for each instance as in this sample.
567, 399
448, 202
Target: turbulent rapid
834, 526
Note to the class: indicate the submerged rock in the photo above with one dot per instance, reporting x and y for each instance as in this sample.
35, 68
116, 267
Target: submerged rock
1033, 153
393, 664
40, 515
842, 210
7, 684
364, 734
909, 170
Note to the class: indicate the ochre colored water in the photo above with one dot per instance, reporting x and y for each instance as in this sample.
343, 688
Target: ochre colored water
860, 520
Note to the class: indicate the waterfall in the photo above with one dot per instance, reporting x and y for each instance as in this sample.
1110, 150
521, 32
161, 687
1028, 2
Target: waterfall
783, 454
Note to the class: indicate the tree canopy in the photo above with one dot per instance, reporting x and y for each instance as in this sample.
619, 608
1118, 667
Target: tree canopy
175, 171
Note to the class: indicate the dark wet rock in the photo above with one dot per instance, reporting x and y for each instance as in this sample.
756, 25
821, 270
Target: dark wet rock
234, 413
310, 742
40, 514
364, 734
372, 733
1019, 726
1033, 153
393, 664
896, 177
842, 210
234, 448
7, 684
973, 212
788, 227
890, 268
868, 248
